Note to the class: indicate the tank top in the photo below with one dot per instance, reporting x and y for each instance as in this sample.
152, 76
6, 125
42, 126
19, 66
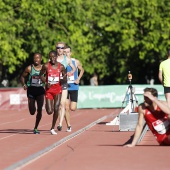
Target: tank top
64, 62
73, 77
33, 79
157, 121
53, 76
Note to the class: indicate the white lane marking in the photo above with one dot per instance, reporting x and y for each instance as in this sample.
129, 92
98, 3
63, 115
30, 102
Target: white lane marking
7, 136
21, 164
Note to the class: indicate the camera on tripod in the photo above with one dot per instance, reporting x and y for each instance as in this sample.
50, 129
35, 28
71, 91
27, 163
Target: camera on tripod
130, 96
129, 76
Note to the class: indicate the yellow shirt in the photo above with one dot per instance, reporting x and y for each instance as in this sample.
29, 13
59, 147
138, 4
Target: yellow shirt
165, 68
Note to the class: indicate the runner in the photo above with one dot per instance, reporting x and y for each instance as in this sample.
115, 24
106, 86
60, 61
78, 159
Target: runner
65, 61
34, 87
53, 70
73, 86
155, 112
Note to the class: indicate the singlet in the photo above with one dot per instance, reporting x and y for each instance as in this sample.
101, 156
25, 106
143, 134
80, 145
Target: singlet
157, 121
71, 79
53, 76
64, 62
33, 79
165, 68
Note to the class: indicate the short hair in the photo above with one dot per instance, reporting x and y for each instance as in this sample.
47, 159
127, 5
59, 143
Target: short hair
60, 43
67, 46
37, 53
153, 91
53, 52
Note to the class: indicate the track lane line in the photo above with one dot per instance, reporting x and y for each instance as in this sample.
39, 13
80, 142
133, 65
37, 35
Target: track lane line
24, 162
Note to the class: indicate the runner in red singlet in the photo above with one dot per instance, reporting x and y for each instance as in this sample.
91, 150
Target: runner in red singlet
155, 112
53, 89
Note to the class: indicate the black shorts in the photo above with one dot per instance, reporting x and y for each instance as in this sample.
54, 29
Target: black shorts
72, 95
166, 89
34, 92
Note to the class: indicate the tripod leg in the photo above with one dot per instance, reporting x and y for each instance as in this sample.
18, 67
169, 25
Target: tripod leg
125, 98
135, 99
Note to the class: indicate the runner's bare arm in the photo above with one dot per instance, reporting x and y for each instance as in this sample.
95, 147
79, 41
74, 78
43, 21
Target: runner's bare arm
43, 72
24, 75
72, 66
139, 127
64, 74
79, 66
160, 76
162, 104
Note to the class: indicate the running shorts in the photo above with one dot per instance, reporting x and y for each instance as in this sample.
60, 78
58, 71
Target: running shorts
72, 95
33, 92
51, 92
166, 89
163, 139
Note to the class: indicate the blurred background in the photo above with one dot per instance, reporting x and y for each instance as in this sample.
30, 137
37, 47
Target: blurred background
109, 37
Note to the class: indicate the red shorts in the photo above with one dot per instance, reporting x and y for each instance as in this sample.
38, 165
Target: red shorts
51, 92
163, 139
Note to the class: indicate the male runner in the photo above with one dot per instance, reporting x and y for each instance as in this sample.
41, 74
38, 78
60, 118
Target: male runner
73, 86
155, 112
65, 61
164, 77
53, 70
34, 87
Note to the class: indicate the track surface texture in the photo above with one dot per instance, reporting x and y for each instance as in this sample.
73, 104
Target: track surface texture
92, 145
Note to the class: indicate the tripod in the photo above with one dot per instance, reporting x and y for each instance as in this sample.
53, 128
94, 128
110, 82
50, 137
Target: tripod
130, 108
131, 98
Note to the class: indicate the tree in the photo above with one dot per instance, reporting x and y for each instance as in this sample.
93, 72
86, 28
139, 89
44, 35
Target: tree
109, 37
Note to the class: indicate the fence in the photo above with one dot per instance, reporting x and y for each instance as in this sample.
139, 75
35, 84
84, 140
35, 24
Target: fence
89, 96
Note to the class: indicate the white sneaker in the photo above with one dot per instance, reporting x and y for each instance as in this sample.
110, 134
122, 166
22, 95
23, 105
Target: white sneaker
53, 132
69, 129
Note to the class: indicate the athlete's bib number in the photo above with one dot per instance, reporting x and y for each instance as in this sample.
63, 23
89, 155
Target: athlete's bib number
36, 81
70, 79
161, 126
53, 79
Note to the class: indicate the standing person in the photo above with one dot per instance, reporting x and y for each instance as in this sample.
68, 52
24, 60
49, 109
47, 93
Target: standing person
155, 112
53, 70
73, 86
65, 61
34, 87
94, 80
164, 77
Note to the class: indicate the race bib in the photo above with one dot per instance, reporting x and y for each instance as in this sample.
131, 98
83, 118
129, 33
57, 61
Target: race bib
70, 79
52, 79
36, 81
161, 126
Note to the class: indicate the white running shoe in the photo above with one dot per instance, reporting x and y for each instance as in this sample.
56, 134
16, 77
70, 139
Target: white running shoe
53, 132
69, 129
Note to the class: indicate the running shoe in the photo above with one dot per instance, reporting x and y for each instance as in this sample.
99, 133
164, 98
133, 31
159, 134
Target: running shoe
59, 128
36, 131
69, 129
53, 132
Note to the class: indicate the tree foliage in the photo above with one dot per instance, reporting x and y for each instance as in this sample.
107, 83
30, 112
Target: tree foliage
108, 37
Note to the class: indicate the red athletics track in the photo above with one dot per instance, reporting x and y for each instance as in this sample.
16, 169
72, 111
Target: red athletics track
96, 148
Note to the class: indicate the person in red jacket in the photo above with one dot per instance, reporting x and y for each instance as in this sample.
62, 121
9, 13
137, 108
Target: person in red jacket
53, 89
155, 112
